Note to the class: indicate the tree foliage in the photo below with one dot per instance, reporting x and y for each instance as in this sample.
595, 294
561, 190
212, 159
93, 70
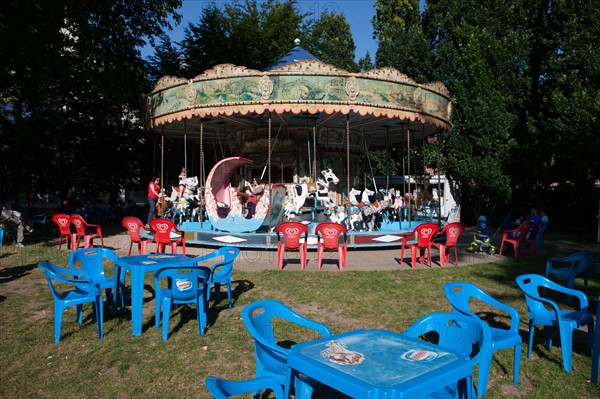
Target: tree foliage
330, 40
245, 34
524, 78
71, 81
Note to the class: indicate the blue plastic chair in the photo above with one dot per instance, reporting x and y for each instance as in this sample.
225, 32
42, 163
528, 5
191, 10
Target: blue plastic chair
40, 218
224, 389
466, 335
576, 266
84, 291
459, 294
566, 320
221, 271
185, 286
91, 260
271, 358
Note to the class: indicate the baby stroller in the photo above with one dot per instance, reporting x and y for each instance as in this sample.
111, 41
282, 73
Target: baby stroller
482, 241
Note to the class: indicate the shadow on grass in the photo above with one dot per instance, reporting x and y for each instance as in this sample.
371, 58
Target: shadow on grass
13, 273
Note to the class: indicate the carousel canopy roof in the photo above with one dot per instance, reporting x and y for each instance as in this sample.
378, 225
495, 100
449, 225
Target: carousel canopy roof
297, 54
301, 94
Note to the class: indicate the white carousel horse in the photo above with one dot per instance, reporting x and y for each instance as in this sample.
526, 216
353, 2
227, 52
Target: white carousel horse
365, 195
181, 203
318, 189
355, 218
339, 216
354, 193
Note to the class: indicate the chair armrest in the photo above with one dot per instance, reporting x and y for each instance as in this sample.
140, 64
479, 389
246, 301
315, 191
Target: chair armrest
217, 268
308, 323
208, 256
80, 277
583, 301
515, 317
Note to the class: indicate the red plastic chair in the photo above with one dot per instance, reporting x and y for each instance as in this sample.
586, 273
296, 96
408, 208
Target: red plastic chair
329, 234
288, 238
63, 222
515, 237
531, 239
134, 226
421, 238
86, 231
448, 240
162, 229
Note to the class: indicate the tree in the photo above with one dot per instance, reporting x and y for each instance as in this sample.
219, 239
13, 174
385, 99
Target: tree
245, 35
166, 61
330, 40
365, 64
479, 47
205, 44
72, 77
557, 160
402, 42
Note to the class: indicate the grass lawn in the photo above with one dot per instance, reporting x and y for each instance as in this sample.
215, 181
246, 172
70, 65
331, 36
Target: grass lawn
122, 366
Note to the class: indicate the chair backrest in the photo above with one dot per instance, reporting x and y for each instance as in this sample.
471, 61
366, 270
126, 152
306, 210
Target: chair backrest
162, 230
459, 295
330, 233
223, 268
133, 226
290, 233
258, 318
522, 230
184, 282
537, 305
224, 389
90, 260
80, 224
452, 232
425, 233
457, 332
63, 221
578, 261
77, 278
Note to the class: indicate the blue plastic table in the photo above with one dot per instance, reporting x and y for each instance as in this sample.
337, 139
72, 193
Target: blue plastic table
138, 266
378, 364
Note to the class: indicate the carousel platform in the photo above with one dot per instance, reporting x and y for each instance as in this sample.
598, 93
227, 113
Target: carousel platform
387, 235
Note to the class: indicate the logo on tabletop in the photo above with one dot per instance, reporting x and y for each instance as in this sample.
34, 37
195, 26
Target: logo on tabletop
415, 355
337, 353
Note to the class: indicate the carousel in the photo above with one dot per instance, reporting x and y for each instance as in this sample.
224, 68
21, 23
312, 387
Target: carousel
284, 144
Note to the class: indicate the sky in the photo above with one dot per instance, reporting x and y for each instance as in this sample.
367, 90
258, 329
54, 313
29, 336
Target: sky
358, 14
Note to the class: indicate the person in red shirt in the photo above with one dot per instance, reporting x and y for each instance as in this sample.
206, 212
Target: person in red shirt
153, 193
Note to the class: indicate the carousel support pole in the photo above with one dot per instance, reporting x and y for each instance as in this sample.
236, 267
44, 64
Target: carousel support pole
162, 155
315, 155
403, 166
270, 186
185, 144
410, 196
387, 157
439, 181
348, 156
202, 183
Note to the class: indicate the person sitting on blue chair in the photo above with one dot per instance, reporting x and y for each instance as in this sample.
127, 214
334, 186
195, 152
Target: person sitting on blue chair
10, 220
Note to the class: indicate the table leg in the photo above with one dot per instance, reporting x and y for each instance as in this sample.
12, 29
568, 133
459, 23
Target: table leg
137, 300
289, 375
